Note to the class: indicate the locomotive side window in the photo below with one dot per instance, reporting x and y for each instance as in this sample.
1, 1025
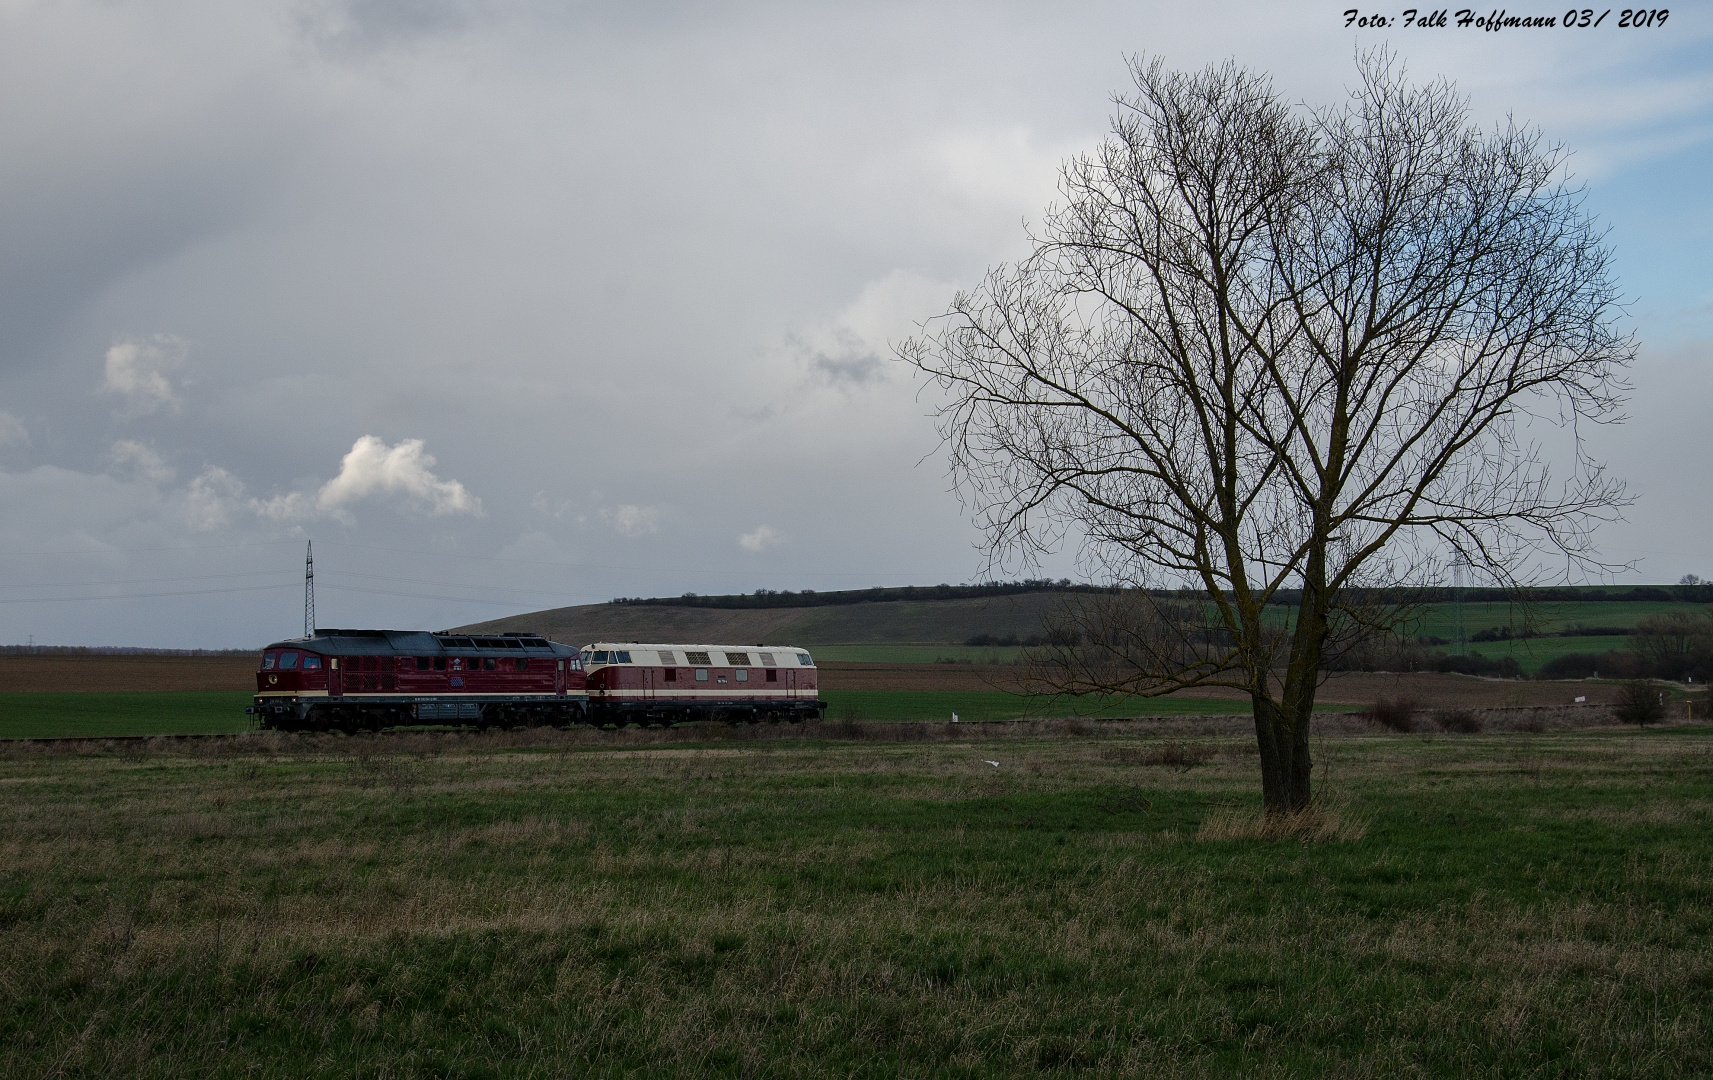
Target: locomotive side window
439, 663
671, 674
522, 663
701, 674
621, 658
268, 661
742, 674
311, 662
487, 663
803, 659
772, 676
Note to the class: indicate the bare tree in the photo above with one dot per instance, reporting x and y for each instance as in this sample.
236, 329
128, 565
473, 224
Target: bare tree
1263, 348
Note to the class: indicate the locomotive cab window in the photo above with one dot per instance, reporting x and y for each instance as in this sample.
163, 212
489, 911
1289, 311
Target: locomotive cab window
268, 661
600, 657
288, 660
621, 658
311, 662
803, 659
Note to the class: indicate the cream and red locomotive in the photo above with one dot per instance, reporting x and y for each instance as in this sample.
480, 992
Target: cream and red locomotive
661, 683
369, 679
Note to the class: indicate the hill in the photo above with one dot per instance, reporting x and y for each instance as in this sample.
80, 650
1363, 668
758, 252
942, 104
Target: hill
884, 622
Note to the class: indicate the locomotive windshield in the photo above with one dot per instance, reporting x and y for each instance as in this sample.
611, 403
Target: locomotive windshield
268, 661
288, 660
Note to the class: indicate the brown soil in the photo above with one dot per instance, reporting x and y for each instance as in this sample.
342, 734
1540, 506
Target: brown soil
24, 674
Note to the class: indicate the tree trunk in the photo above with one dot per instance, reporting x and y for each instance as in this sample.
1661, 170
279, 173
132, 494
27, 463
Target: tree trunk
1282, 734
1282, 725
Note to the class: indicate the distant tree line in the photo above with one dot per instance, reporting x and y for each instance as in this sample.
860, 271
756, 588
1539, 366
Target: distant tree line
1695, 592
771, 598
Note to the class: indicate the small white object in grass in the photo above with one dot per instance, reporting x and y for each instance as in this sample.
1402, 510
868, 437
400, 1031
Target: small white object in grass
995, 764
954, 718
1581, 698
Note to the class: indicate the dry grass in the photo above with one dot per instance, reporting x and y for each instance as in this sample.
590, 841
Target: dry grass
634, 903
1321, 822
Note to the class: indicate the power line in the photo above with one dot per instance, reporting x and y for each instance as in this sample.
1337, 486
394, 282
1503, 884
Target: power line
146, 596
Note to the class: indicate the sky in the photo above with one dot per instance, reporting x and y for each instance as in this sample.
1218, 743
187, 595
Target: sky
511, 305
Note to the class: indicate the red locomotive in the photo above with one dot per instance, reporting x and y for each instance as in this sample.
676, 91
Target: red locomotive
654, 684
356, 679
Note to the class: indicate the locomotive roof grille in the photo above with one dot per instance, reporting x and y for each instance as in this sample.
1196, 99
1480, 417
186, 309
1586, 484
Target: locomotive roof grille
419, 643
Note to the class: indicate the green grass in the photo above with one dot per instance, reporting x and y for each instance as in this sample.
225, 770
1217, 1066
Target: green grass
634, 904
191, 712
1534, 652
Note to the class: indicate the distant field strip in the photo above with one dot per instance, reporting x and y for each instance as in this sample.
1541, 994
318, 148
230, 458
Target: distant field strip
40, 716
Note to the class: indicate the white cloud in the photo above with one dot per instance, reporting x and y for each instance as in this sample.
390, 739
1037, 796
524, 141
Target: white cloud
852, 348
212, 497
630, 520
137, 370
374, 468
12, 430
761, 538
371, 468
141, 459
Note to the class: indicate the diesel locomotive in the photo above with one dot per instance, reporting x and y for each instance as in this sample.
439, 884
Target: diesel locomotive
661, 684
351, 680
369, 679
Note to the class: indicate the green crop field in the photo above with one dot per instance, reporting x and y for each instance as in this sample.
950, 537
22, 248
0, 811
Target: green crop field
167, 712
637, 904
998, 705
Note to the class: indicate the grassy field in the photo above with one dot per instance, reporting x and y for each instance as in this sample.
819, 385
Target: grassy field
634, 904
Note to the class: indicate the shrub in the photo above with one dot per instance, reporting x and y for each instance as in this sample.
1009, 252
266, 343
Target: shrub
1458, 721
1394, 714
1641, 704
